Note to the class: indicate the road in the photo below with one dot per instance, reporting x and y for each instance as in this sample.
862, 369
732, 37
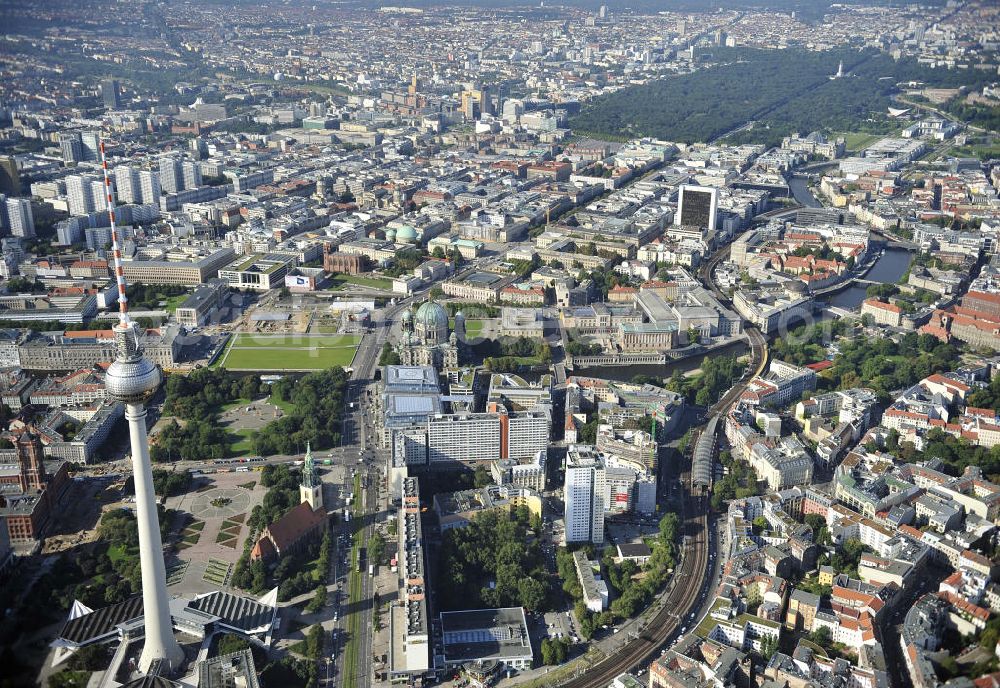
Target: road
354, 657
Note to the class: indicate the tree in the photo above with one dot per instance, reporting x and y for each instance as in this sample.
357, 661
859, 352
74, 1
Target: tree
314, 641
69, 679
821, 636
376, 548
481, 476
545, 354
768, 646
548, 652
318, 600
229, 643
90, 658
389, 356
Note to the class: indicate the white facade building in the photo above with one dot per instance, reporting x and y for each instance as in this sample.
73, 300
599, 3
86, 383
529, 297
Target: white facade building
583, 496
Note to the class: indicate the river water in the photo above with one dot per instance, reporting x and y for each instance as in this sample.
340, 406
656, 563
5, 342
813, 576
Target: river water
626, 373
800, 190
888, 269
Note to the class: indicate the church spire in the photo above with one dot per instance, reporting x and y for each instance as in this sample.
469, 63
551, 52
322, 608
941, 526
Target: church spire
309, 469
311, 489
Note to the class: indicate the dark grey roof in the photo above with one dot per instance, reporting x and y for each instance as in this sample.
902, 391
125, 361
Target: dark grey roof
238, 612
150, 681
704, 455
100, 622
637, 549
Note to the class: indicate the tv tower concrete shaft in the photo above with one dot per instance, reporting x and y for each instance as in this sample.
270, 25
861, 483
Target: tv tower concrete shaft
133, 379
160, 643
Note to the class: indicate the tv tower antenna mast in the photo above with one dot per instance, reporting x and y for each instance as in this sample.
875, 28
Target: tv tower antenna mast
133, 379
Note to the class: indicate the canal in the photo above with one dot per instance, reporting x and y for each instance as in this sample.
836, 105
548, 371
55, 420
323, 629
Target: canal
888, 269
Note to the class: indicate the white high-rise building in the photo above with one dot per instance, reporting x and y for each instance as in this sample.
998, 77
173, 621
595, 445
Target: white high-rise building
22, 222
91, 143
191, 171
527, 434
97, 192
149, 186
171, 174
127, 184
71, 147
79, 194
583, 495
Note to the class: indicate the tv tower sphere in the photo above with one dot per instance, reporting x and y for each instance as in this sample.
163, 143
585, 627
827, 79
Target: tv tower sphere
131, 378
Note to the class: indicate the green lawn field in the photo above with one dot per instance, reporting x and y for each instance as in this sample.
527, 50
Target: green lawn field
290, 352
339, 280
855, 141
473, 328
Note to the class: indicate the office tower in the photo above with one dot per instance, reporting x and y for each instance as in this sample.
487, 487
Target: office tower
10, 176
583, 496
603, 12
133, 379
68, 233
79, 194
4, 220
198, 148
91, 141
127, 184
149, 186
512, 110
171, 174
697, 206
97, 192
191, 171
20, 218
476, 102
111, 93
71, 148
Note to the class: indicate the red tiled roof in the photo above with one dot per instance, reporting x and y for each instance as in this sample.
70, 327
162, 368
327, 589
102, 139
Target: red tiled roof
291, 527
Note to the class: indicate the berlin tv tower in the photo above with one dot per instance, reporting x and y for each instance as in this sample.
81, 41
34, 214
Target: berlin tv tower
132, 379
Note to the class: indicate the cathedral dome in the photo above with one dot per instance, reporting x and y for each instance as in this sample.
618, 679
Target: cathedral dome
432, 316
406, 234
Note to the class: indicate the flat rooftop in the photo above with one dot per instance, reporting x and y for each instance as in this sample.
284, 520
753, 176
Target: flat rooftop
485, 634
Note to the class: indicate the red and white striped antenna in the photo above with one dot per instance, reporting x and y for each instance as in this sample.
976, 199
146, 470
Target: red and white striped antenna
116, 245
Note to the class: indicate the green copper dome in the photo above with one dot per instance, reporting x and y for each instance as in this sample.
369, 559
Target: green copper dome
432, 316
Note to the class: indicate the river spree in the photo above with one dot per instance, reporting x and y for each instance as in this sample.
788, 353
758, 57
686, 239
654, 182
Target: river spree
799, 186
626, 373
888, 269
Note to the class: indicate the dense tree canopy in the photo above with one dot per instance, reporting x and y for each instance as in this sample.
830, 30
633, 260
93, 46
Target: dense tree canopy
318, 407
493, 562
782, 91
